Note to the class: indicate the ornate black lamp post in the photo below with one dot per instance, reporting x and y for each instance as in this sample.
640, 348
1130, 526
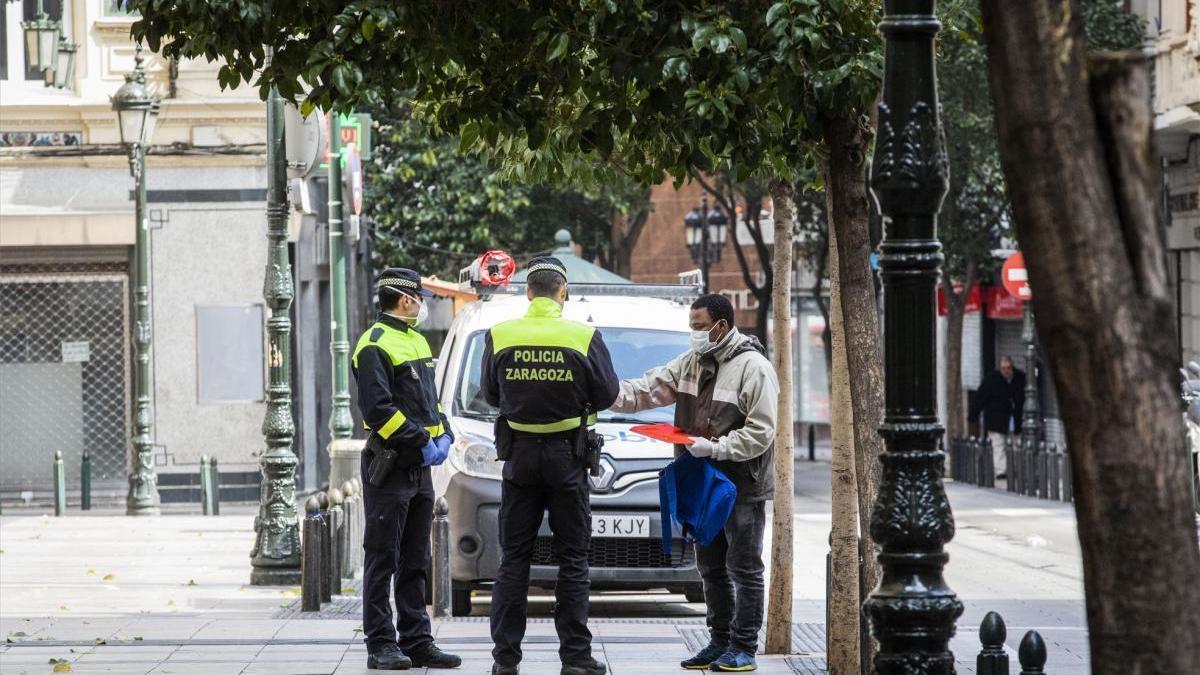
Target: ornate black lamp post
912, 612
137, 112
703, 229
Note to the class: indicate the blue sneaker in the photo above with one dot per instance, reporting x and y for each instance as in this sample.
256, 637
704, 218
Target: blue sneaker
734, 661
705, 657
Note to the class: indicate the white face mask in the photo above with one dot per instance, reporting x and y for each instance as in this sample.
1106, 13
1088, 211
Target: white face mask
700, 342
422, 315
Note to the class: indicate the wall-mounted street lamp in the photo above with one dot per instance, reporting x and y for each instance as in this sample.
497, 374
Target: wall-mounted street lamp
48, 50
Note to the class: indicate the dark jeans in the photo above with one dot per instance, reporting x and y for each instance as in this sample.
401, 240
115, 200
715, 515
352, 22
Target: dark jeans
732, 569
543, 475
399, 515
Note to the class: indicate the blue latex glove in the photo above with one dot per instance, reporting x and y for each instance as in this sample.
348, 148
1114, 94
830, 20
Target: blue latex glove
429, 453
443, 447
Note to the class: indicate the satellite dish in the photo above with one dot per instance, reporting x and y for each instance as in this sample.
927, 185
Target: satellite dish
305, 141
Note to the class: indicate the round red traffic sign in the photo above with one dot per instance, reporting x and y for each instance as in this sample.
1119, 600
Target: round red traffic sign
1015, 277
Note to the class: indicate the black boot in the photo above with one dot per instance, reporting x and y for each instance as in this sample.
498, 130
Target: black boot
388, 657
498, 669
429, 656
589, 667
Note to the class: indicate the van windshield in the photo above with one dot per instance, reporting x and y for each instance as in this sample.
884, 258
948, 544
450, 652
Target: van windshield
633, 350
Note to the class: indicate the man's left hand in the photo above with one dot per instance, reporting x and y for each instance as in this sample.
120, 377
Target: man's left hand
701, 447
443, 449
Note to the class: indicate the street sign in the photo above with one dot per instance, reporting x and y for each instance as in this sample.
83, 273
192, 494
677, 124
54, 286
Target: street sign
356, 129
353, 177
304, 139
1015, 278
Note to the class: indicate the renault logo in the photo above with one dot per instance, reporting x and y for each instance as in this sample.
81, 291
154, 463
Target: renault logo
604, 480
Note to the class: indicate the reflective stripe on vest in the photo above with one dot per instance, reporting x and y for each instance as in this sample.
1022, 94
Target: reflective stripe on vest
551, 427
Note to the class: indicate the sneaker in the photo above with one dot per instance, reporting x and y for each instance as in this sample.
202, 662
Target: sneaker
388, 658
429, 656
734, 661
704, 658
498, 669
589, 667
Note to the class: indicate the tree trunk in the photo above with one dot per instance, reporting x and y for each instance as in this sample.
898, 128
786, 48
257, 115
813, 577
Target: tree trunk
625, 232
849, 218
821, 271
956, 309
779, 604
843, 632
1076, 147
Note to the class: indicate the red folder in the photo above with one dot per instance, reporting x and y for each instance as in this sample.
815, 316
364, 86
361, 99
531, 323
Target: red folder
662, 432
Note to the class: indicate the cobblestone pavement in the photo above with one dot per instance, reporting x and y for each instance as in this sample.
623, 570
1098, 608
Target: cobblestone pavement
106, 593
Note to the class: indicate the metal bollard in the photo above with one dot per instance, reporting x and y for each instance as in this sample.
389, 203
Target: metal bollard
85, 482
60, 484
992, 659
326, 547
1032, 654
205, 487
1068, 494
1010, 463
348, 536
310, 557
1055, 472
441, 559
214, 484
989, 465
337, 523
812, 443
361, 526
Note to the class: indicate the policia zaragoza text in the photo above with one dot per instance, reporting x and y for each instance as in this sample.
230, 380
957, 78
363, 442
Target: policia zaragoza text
539, 357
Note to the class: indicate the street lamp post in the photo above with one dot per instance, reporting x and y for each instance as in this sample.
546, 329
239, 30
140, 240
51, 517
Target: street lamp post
275, 558
702, 228
912, 611
340, 422
137, 112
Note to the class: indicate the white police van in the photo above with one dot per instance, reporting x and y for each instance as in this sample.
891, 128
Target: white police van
643, 326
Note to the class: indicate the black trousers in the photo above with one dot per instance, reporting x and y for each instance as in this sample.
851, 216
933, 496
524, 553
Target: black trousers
399, 515
732, 569
543, 475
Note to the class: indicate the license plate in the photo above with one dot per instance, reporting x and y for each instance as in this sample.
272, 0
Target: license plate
620, 526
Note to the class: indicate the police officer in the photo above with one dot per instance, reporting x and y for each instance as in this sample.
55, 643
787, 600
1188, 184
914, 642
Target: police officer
398, 400
545, 374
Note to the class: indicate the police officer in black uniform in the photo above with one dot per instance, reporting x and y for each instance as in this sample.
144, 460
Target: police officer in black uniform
548, 376
396, 394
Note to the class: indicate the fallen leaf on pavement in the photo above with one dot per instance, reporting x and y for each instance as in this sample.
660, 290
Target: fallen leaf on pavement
109, 577
170, 602
191, 582
91, 572
101, 641
63, 667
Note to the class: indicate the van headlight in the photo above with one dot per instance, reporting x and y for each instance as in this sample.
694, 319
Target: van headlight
476, 456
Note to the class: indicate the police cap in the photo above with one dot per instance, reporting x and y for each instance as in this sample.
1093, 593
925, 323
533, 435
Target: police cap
546, 263
402, 279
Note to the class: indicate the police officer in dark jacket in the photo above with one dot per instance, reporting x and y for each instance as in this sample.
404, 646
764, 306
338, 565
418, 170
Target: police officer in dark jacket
396, 394
548, 376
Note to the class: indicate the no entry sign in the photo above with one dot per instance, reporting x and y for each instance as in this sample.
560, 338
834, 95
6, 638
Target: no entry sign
1015, 278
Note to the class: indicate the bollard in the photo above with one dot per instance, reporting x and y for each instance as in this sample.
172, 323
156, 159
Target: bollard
85, 482
310, 557
348, 536
360, 526
812, 443
441, 559
205, 487
337, 525
1044, 469
1068, 493
989, 465
1055, 472
326, 547
1032, 654
992, 659
214, 484
1010, 464
60, 484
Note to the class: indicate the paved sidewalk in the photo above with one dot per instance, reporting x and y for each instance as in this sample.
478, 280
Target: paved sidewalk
107, 593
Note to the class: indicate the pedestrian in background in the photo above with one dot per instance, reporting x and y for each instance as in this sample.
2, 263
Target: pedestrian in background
998, 404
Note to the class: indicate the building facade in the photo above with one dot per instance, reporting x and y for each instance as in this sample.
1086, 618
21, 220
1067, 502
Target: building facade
67, 231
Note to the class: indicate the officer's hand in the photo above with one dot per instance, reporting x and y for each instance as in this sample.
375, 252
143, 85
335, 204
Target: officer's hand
443, 446
429, 453
701, 447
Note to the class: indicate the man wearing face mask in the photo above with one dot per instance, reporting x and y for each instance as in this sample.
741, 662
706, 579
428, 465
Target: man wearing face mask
725, 394
398, 400
547, 376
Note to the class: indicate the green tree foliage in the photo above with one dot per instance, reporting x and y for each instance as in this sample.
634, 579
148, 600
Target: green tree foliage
1110, 28
435, 208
